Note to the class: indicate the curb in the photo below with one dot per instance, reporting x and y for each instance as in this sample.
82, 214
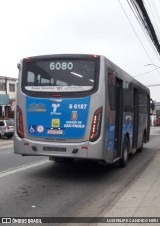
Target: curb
6, 142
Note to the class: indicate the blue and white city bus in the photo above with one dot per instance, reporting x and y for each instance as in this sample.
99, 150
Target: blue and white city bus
79, 107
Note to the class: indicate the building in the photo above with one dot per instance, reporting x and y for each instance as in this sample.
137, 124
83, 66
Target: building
155, 114
7, 96
157, 109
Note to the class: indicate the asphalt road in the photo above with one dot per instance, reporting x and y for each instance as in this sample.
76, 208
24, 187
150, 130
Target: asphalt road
36, 187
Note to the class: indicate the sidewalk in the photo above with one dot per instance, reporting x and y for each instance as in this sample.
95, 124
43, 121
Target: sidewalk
142, 199
6, 141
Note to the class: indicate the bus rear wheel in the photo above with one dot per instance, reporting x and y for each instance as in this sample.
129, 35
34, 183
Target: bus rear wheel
61, 159
125, 153
143, 141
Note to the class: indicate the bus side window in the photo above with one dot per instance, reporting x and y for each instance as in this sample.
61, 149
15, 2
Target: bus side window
143, 103
128, 97
111, 88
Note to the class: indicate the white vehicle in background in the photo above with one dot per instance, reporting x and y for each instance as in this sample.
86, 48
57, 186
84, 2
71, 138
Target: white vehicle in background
152, 119
7, 128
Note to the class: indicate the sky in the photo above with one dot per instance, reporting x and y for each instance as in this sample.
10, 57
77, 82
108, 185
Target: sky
41, 27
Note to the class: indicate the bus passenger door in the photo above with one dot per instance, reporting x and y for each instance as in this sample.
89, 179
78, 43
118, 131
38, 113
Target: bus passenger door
136, 118
148, 119
118, 117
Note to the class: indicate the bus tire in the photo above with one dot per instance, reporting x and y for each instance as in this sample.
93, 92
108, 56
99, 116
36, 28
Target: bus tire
61, 159
143, 141
125, 153
9, 136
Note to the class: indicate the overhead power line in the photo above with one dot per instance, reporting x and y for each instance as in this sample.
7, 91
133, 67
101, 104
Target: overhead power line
135, 32
153, 85
154, 17
143, 16
147, 72
137, 16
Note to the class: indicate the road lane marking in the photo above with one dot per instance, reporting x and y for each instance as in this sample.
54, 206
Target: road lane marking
2, 144
22, 168
6, 152
2, 147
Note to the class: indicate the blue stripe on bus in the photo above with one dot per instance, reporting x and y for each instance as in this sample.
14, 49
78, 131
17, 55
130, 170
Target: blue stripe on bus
110, 137
110, 133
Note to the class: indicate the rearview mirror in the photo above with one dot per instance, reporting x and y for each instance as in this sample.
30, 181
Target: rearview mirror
152, 106
19, 66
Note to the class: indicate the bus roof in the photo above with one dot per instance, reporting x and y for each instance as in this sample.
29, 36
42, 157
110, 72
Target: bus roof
120, 72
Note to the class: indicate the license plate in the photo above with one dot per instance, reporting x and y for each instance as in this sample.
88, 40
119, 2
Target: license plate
54, 149
55, 131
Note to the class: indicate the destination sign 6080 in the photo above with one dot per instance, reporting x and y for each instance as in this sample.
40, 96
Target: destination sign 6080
61, 65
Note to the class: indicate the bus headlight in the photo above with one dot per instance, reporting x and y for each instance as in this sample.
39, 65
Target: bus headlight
96, 125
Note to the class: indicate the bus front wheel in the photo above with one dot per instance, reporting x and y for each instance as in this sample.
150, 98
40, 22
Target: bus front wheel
125, 153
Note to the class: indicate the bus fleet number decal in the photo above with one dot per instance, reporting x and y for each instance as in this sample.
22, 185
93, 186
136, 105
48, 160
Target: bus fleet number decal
77, 106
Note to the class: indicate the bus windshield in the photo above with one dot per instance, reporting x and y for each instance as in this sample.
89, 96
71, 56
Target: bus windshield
59, 75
